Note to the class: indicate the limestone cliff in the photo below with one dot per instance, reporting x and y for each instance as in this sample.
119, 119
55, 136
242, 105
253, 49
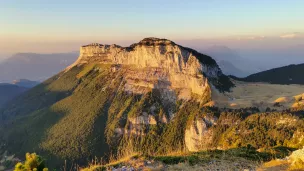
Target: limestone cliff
157, 63
198, 136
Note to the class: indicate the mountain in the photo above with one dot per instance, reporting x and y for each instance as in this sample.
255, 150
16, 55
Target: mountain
148, 98
290, 74
34, 66
229, 69
25, 83
229, 61
9, 91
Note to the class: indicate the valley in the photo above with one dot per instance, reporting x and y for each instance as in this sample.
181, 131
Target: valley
261, 95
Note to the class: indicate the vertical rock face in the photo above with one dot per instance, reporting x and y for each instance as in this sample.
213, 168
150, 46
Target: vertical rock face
198, 136
156, 63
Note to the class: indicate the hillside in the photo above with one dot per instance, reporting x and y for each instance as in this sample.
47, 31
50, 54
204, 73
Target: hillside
284, 75
148, 98
27, 65
9, 91
25, 83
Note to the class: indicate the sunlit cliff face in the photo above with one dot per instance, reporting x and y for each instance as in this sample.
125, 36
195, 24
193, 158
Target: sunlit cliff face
156, 63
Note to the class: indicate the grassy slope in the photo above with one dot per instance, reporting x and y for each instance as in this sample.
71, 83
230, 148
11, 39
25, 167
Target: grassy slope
60, 116
73, 116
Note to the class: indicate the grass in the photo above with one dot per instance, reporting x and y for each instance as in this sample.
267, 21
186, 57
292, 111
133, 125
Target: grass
235, 159
241, 164
295, 161
207, 156
86, 70
52, 119
98, 166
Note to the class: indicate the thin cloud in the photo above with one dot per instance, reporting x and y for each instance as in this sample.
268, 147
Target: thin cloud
292, 35
251, 38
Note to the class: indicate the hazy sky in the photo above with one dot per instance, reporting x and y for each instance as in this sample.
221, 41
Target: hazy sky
64, 25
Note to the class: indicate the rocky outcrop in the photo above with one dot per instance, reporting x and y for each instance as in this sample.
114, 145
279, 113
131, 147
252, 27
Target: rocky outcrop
296, 160
151, 52
144, 119
198, 136
156, 64
297, 155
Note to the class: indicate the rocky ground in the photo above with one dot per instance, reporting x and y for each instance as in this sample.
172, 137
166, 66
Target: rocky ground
224, 163
7, 162
151, 165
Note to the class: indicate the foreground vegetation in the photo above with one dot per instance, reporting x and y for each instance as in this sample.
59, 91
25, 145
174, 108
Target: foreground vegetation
232, 159
279, 158
33, 162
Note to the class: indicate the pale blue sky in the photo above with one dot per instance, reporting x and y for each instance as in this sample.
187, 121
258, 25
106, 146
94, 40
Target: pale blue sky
72, 22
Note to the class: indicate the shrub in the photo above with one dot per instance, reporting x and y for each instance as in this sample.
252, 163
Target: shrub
33, 162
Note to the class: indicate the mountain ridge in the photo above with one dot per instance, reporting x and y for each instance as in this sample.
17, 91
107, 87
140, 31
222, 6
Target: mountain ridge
157, 53
9, 91
26, 65
289, 74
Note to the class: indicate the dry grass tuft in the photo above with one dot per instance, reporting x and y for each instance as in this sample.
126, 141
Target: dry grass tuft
297, 104
294, 162
233, 105
210, 104
223, 165
299, 97
281, 100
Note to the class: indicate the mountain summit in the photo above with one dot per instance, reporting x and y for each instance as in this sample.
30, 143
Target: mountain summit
160, 60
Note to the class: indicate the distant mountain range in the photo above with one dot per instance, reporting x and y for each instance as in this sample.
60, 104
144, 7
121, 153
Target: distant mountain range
291, 74
230, 62
34, 66
274, 58
25, 83
9, 91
